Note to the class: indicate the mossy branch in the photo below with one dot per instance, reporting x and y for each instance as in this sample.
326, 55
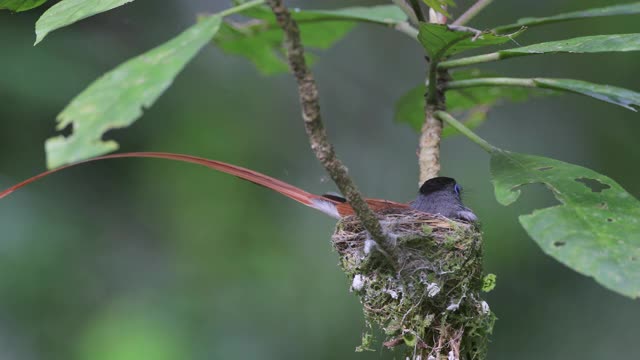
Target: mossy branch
431, 132
317, 134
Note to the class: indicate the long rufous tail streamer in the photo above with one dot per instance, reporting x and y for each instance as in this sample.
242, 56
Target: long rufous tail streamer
330, 205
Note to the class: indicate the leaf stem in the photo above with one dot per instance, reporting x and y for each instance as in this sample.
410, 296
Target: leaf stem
471, 60
493, 81
472, 12
406, 28
451, 121
239, 8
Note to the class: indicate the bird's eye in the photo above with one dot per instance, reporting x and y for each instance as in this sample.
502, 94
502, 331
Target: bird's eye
456, 188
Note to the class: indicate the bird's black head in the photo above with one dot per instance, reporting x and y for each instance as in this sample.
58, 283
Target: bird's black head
441, 195
438, 184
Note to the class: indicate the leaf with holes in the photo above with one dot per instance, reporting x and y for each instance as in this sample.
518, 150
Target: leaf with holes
623, 9
596, 228
20, 5
441, 41
116, 99
67, 12
260, 40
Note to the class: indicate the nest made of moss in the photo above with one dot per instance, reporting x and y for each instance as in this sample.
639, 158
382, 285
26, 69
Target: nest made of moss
429, 301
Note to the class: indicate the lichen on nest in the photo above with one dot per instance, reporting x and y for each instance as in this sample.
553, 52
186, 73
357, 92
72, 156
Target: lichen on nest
430, 300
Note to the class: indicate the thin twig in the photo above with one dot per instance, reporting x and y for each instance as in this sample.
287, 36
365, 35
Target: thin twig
407, 9
314, 127
415, 5
472, 12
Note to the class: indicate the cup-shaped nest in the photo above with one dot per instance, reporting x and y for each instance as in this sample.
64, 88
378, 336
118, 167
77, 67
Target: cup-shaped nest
429, 300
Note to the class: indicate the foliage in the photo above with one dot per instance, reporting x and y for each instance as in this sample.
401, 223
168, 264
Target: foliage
585, 44
118, 97
612, 94
623, 9
410, 107
595, 228
260, 39
20, 5
440, 6
67, 12
442, 41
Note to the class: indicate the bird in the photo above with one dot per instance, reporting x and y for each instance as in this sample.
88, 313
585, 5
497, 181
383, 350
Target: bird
437, 196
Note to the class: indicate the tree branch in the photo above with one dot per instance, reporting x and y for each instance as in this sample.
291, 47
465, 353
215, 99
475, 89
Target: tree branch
314, 127
431, 132
472, 12
407, 9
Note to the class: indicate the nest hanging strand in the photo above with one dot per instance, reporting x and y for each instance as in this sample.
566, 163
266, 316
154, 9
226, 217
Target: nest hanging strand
433, 307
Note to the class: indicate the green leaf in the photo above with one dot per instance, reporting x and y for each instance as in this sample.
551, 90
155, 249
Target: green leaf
381, 14
441, 41
440, 6
67, 12
611, 94
465, 99
585, 44
485, 87
624, 9
596, 228
116, 99
261, 40
20, 5
489, 282
409, 109
263, 45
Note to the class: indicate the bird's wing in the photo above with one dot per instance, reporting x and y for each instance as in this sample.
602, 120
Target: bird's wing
344, 209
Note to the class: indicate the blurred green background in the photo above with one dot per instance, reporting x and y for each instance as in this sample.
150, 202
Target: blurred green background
150, 259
